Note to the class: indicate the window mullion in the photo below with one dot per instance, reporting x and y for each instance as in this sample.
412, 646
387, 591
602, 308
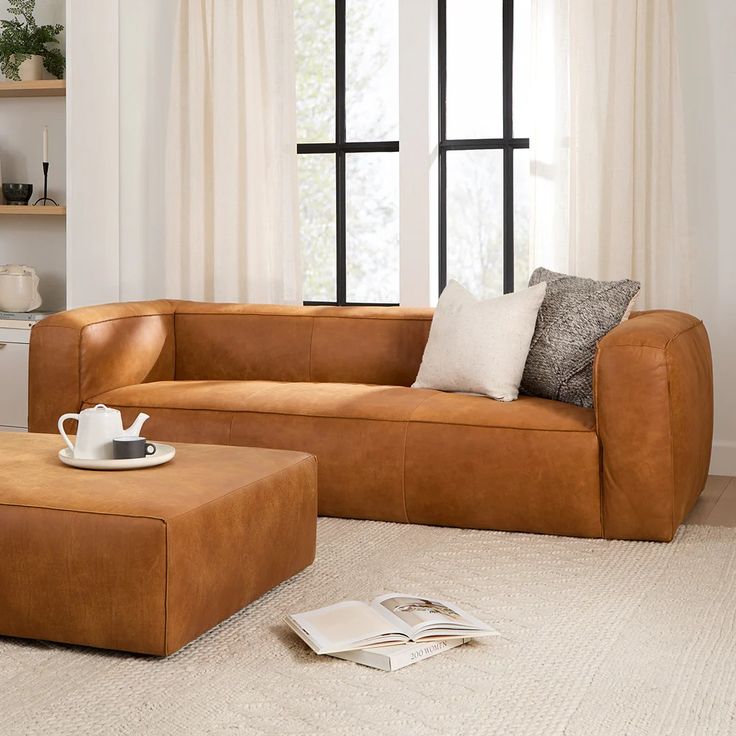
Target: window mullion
442, 136
508, 68
340, 137
341, 229
508, 151
508, 219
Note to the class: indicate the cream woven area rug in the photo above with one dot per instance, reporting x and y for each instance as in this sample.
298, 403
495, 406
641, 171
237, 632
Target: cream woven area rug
601, 638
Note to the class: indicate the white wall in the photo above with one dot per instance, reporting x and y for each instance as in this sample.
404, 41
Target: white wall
36, 241
93, 148
146, 53
707, 30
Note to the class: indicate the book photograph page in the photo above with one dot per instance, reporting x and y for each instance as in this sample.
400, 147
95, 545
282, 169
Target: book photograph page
421, 613
345, 623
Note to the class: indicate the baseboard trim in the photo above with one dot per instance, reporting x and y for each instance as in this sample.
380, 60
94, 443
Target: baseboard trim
723, 459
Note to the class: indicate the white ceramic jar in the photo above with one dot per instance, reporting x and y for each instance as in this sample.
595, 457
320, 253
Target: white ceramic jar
18, 289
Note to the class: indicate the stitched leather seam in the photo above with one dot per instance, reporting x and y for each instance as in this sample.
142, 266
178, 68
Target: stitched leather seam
296, 315
174, 313
167, 584
41, 325
176, 346
632, 345
83, 511
230, 432
79, 328
673, 496
311, 344
500, 426
361, 419
655, 347
684, 332
601, 461
80, 398
403, 472
403, 457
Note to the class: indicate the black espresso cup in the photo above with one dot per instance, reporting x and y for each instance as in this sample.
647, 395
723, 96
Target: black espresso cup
131, 448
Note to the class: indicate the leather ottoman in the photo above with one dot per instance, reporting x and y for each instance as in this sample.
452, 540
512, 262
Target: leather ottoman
146, 560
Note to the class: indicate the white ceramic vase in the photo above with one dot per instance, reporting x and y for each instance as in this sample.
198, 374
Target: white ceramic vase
31, 68
18, 289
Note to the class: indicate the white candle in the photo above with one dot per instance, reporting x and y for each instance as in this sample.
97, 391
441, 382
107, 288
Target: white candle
45, 144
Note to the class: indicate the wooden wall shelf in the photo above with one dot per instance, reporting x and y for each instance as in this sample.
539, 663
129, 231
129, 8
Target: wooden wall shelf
41, 88
30, 211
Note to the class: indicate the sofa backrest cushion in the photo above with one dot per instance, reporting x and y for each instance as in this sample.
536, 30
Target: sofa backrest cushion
377, 345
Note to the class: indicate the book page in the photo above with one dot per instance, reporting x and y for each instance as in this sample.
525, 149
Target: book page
420, 614
344, 625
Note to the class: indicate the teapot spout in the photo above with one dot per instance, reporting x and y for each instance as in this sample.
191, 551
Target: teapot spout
135, 429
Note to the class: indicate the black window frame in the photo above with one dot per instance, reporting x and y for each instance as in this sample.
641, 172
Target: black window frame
507, 143
340, 147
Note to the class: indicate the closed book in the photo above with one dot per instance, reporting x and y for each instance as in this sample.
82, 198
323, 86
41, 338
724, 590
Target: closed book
395, 657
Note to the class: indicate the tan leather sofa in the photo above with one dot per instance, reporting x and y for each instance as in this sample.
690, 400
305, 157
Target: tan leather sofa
335, 382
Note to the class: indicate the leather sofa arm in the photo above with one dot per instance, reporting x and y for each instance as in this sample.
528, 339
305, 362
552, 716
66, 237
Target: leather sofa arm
79, 354
653, 395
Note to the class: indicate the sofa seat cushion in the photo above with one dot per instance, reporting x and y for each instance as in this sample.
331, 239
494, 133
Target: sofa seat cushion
527, 412
345, 400
396, 453
352, 401
531, 463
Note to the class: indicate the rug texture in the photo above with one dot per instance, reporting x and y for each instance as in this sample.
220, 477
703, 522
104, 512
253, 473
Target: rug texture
601, 637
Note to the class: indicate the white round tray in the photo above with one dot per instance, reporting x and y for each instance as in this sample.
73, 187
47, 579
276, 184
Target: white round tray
163, 454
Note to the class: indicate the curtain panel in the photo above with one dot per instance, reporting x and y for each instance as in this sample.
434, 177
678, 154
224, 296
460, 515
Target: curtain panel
608, 158
232, 199
208, 157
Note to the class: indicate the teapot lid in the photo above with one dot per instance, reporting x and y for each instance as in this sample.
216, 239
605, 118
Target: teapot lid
101, 409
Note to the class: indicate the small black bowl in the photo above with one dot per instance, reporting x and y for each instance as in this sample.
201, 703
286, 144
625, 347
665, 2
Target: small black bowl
17, 193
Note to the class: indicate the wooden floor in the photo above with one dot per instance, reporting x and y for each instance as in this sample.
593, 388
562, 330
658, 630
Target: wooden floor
717, 503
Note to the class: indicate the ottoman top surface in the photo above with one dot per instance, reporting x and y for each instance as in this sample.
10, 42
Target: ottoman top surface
31, 474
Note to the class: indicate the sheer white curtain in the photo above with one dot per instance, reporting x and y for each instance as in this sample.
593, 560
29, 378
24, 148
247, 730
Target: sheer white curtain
231, 199
608, 161
208, 195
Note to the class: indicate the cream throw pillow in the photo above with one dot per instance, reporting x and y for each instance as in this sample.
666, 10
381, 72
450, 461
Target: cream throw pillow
480, 346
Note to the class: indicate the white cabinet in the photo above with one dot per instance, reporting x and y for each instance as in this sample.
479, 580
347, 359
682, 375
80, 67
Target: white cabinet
14, 378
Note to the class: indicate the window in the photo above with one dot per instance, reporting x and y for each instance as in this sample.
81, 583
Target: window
347, 133
348, 147
483, 162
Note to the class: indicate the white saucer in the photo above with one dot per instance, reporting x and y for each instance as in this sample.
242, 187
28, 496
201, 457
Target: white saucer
163, 454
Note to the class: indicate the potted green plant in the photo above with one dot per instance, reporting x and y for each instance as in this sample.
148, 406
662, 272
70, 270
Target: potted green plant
24, 48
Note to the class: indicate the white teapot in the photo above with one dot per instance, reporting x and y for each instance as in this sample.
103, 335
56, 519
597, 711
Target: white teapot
18, 289
98, 427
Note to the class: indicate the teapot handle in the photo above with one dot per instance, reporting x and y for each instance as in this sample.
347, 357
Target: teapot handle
62, 419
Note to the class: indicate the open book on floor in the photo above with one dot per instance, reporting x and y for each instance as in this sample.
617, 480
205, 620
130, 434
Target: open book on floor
394, 618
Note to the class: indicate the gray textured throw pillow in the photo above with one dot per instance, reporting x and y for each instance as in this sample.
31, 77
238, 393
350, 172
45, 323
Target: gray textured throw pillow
575, 314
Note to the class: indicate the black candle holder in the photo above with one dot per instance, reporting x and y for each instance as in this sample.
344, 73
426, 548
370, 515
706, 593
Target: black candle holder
45, 197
